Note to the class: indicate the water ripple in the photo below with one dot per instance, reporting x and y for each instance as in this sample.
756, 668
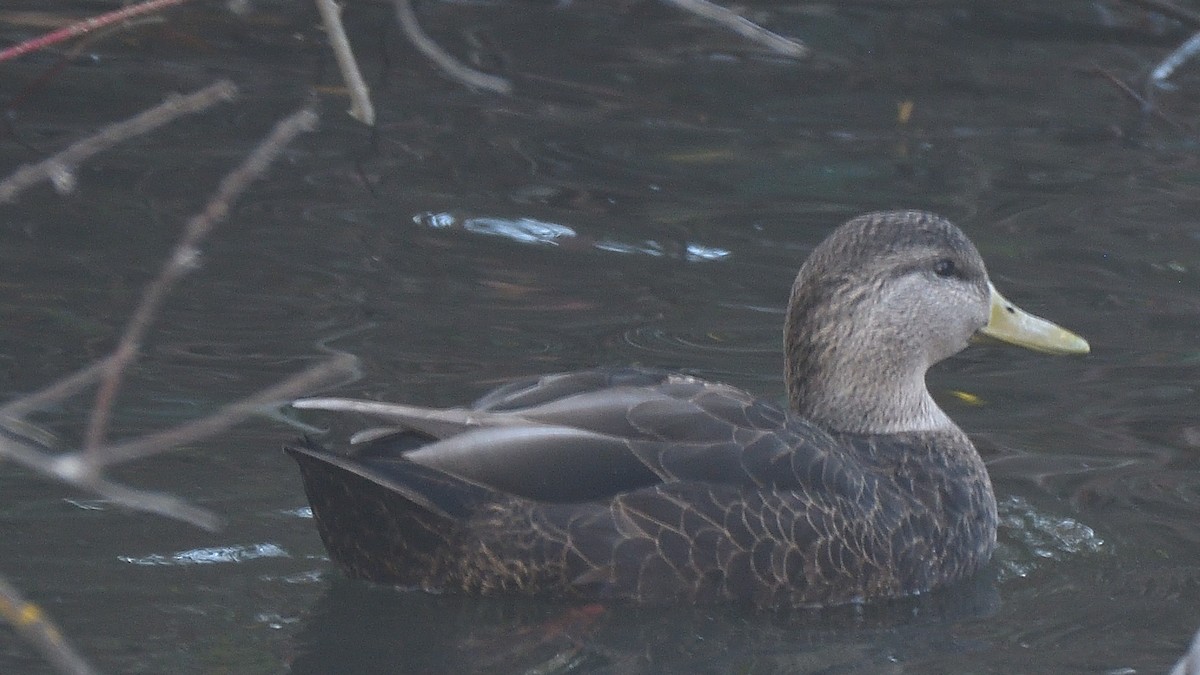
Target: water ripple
520, 230
210, 555
1030, 538
748, 341
531, 231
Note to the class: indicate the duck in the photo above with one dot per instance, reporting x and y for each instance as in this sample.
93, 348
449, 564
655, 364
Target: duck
637, 485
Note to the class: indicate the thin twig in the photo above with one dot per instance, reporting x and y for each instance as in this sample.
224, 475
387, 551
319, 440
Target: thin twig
84, 27
27, 445
68, 469
360, 97
59, 391
183, 260
1122, 86
40, 631
338, 368
69, 55
742, 26
1144, 105
84, 470
448, 64
60, 168
158, 503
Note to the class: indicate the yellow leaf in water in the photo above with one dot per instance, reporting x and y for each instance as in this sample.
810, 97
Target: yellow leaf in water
967, 397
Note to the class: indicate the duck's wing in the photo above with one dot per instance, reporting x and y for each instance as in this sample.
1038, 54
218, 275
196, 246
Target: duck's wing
591, 435
588, 399
534, 391
683, 428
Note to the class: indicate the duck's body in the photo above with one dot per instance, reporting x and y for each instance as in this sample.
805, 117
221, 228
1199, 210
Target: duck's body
696, 492
650, 487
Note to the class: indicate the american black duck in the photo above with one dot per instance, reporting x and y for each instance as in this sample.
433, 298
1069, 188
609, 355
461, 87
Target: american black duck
647, 486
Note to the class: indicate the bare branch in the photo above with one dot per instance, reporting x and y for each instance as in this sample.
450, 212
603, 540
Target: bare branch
30, 446
60, 168
56, 392
40, 631
742, 26
84, 469
182, 261
1146, 106
158, 503
449, 65
360, 97
336, 369
84, 27
70, 470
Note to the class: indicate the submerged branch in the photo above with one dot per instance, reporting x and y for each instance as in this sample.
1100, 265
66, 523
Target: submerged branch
742, 26
1145, 106
449, 65
360, 96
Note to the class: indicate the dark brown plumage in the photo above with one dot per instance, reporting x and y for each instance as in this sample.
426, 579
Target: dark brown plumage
645, 486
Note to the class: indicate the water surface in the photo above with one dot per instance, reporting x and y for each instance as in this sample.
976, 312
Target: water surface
645, 197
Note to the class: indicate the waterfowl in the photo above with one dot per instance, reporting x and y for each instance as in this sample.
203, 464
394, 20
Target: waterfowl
646, 486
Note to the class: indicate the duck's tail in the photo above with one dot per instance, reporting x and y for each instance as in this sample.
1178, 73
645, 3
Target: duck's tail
387, 520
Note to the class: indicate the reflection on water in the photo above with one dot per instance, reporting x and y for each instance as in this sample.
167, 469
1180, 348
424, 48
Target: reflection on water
209, 556
356, 628
645, 197
530, 231
692, 253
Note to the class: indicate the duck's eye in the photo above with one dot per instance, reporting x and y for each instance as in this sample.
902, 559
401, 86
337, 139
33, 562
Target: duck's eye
945, 268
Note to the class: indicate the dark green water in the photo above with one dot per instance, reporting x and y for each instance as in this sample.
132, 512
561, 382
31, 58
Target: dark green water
645, 197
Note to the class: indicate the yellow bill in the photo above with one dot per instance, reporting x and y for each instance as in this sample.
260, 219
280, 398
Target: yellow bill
1011, 324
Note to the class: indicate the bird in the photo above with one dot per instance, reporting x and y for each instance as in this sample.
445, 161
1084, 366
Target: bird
643, 486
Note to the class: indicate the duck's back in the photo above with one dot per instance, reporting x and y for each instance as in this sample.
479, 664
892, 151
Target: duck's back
695, 492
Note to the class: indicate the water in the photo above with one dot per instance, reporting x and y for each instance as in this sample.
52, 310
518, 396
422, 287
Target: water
646, 197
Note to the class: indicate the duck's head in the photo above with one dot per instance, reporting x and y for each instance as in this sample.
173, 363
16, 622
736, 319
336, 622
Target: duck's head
877, 303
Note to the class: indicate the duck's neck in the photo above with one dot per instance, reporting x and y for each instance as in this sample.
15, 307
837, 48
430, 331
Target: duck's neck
861, 381
866, 406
